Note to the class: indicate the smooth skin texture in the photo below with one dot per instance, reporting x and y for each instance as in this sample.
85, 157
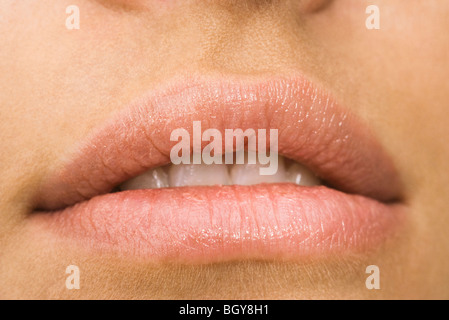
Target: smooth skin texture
56, 85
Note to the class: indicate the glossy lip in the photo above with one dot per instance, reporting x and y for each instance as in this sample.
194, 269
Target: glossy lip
220, 223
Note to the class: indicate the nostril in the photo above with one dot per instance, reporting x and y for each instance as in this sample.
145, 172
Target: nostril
309, 6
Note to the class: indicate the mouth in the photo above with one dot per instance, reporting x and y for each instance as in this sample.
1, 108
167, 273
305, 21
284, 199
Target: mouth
335, 190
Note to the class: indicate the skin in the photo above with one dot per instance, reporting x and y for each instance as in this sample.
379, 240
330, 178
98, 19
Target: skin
56, 85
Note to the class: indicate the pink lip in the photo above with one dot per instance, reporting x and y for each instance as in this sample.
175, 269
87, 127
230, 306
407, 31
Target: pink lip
220, 223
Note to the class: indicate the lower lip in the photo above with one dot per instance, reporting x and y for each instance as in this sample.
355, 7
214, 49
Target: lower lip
224, 223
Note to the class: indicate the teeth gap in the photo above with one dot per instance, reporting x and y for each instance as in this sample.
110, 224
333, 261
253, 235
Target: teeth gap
288, 171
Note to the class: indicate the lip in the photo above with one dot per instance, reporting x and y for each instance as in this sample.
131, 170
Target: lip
222, 223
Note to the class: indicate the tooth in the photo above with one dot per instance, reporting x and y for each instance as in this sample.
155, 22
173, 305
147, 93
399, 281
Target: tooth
198, 175
218, 174
301, 175
152, 179
248, 174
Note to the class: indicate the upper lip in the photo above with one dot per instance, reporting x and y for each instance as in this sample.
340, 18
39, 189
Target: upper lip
313, 130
